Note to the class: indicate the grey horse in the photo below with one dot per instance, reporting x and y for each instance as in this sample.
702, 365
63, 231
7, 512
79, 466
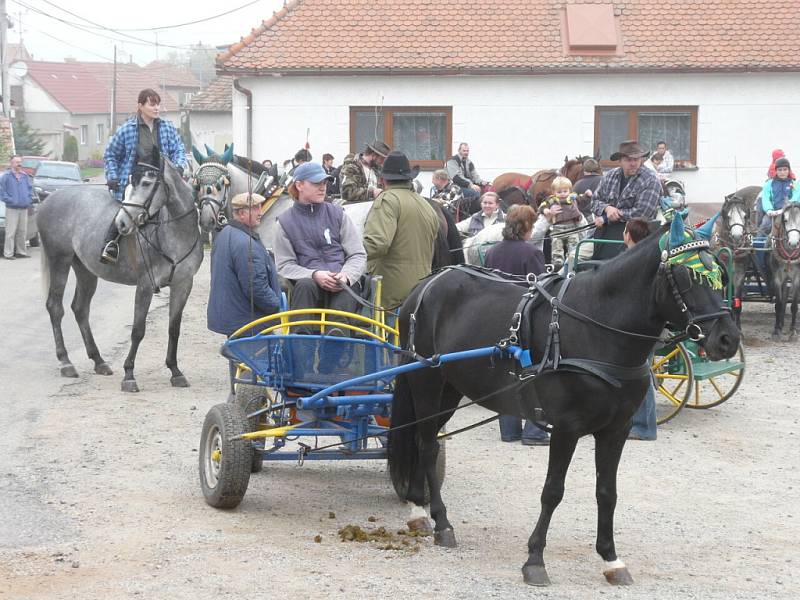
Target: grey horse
785, 264
160, 247
734, 230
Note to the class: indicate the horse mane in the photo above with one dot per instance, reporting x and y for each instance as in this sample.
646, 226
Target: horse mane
249, 165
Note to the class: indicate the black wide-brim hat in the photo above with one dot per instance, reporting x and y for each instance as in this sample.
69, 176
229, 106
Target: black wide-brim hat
397, 168
630, 148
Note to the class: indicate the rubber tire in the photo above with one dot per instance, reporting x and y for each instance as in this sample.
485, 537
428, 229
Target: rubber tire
401, 489
249, 398
236, 456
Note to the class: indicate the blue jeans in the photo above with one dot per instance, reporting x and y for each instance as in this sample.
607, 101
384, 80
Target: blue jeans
511, 429
470, 194
644, 421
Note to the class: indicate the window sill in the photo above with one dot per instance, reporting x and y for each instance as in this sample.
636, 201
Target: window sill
686, 168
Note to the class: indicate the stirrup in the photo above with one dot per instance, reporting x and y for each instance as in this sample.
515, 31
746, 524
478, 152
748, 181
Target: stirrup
110, 253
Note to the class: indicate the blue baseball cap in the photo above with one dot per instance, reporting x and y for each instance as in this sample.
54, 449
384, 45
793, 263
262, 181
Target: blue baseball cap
312, 172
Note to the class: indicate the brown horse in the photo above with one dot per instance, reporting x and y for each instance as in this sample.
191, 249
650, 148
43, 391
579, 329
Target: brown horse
537, 186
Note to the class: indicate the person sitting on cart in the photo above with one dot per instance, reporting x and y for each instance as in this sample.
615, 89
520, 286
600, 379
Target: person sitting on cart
317, 246
244, 280
628, 191
777, 192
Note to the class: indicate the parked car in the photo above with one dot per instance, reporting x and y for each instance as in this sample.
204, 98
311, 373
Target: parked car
29, 163
52, 175
33, 231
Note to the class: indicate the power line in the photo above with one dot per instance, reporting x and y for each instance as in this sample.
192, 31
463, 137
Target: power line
223, 14
83, 28
71, 45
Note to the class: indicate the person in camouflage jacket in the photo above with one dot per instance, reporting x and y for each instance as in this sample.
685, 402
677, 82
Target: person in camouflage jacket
360, 176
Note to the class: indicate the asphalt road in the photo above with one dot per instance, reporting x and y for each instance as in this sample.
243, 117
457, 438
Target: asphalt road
29, 384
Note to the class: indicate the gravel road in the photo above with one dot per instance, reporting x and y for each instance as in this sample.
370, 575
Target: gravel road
102, 499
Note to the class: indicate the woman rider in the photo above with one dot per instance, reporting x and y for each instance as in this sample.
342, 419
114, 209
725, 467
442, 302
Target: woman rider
140, 139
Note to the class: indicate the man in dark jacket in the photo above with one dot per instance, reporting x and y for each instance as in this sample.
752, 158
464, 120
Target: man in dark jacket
588, 182
463, 173
244, 280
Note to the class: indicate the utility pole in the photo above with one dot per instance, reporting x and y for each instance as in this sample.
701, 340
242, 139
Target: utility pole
114, 96
4, 52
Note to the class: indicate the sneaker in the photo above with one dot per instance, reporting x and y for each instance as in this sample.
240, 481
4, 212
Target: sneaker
8, 257
19, 255
110, 253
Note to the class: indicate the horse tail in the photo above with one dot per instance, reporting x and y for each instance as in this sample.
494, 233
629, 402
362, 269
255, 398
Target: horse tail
402, 450
45, 271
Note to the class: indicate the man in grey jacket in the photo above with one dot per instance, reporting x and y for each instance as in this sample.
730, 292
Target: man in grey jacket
317, 246
462, 172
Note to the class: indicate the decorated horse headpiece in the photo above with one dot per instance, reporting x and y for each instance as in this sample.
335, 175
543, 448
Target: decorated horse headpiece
213, 168
690, 248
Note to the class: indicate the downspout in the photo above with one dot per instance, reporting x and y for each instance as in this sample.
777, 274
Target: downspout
249, 94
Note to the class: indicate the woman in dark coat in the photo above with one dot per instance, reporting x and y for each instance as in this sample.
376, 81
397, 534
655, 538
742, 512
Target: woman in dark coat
516, 256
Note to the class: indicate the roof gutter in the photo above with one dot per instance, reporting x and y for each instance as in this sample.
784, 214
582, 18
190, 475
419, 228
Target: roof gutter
249, 95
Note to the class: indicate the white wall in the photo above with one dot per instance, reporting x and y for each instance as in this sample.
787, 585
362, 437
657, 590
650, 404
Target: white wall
214, 129
528, 123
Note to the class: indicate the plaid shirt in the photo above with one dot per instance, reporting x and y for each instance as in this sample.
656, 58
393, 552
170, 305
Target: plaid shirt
640, 197
120, 155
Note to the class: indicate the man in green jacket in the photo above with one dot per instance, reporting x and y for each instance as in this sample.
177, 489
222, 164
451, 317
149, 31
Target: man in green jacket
400, 232
359, 177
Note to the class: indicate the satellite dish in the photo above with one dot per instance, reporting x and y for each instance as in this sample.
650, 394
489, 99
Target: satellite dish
18, 69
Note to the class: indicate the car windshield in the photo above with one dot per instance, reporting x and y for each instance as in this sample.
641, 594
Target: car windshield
30, 163
59, 171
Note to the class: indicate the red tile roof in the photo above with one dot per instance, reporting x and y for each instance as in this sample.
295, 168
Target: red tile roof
85, 87
518, 36
216, 97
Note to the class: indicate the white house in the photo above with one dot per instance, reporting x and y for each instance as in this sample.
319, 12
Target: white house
526, 82
209, 114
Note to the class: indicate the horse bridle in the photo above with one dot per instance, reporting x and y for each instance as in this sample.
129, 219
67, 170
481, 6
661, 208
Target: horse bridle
219, 178
778, 241
734, 200
145, 216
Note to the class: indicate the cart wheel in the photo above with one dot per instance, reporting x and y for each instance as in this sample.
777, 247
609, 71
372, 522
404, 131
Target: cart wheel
401, 487
672, 370
224, 461
250, 398
713, 391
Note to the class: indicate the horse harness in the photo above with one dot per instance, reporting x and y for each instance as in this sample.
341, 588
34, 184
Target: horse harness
541, 289
151, 219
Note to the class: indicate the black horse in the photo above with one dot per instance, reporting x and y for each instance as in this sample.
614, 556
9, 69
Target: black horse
609, 321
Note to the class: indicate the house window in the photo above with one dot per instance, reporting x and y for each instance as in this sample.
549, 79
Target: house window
100, 133
676, 125
84, 135
424, 134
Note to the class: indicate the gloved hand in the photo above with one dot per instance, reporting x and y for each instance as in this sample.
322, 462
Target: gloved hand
113, 185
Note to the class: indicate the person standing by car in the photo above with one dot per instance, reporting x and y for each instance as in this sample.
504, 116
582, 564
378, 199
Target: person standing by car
17, 194
140, 139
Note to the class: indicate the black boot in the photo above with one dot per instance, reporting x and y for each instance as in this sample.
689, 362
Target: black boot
110, 246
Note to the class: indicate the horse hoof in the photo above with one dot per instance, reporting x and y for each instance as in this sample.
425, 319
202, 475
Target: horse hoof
421, 525
619, 576
69, 371
445, 538
535, 575
179, 381
129, 385
103, 369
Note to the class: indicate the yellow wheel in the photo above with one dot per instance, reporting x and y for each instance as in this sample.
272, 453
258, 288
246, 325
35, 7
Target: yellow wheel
673, 374
715, 381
